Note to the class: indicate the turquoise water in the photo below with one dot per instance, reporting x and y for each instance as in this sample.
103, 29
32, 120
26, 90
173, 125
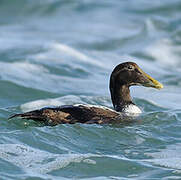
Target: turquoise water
55, 52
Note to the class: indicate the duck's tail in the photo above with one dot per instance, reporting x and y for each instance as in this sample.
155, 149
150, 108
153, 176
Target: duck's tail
35, 115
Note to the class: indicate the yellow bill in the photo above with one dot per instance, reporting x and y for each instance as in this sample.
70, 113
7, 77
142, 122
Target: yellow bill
151, 82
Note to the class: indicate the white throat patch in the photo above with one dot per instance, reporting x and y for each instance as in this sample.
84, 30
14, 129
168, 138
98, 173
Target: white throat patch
132, 109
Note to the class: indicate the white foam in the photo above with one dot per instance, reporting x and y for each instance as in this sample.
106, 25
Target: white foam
20, 72
38, 77
60, 53
41, 162
169, 157
26, 74
165, 98
65, 100
30, 159
165, 52
75, 53
150, 27
38, 104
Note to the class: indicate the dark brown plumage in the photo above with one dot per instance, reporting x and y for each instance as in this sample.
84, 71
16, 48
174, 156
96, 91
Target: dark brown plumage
70, 114
123, 76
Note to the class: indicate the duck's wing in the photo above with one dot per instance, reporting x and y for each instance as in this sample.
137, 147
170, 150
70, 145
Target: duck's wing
70, 114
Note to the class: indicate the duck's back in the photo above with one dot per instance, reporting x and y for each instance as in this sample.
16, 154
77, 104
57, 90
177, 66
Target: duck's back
71, 114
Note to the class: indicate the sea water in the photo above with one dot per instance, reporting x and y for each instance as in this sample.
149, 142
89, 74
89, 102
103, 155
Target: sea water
56, 52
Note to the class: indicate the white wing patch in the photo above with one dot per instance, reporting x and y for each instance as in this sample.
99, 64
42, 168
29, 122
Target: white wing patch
96, 106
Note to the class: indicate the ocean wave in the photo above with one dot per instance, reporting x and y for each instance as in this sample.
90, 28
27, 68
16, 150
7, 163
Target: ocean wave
169, 157
38, 77
166, 52
34, 160
38, 161
66, 100
59, 53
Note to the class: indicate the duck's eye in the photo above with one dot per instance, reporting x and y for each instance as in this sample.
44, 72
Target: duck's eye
130, 67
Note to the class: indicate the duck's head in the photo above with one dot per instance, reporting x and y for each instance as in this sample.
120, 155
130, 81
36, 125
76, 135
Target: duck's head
128, 74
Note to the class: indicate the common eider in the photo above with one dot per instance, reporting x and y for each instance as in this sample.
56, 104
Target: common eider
123, 76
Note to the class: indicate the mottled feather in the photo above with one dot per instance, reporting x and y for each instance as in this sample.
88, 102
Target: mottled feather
71, 114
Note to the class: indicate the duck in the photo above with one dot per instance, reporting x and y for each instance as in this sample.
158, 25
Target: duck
123, 76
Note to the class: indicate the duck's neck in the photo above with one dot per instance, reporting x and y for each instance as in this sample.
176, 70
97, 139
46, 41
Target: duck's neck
120, 97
